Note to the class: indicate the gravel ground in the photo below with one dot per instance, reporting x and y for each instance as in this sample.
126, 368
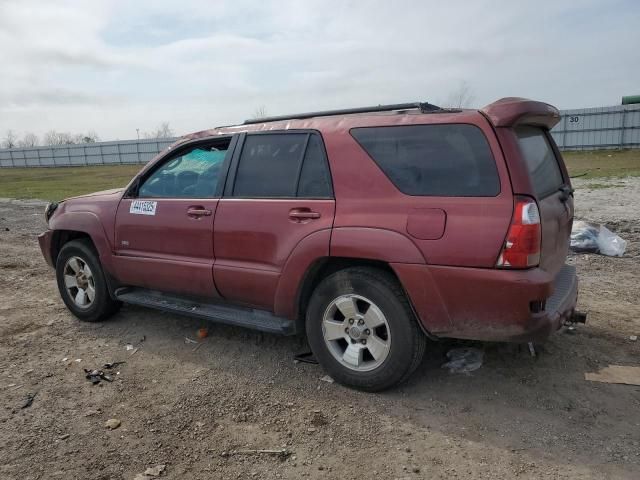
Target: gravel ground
195, 408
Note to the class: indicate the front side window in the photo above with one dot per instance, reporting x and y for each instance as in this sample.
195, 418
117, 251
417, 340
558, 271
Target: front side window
452, 160
283, 165
194, 174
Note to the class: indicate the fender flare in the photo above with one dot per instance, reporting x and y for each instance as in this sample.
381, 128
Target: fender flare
374, 244
89, 223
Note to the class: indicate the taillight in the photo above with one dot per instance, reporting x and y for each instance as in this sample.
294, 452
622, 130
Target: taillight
522, 246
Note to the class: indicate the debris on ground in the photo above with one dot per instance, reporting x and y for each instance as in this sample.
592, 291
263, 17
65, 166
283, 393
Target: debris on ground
28, 400
189, 340
616, 374
327, 379
155, 471
464, 360
281, 453
306, 357
112, 423
95, 376
128, 347
203, 333
64, 437
633, 338
595, 238
112, 365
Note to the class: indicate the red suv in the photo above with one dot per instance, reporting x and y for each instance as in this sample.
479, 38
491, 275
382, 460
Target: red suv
370, 229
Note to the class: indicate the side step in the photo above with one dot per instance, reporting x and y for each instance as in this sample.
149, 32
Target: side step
230, 315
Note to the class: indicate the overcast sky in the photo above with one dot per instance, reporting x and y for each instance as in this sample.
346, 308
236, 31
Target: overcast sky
114, 66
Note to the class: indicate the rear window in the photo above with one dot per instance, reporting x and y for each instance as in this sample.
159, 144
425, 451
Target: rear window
433, 160
540, 159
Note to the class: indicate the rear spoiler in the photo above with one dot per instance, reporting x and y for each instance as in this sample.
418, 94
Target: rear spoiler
511, 111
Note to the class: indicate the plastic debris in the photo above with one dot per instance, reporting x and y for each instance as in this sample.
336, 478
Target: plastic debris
633, 338
28, 400
129, 347
327, 379
155, 471
95, 376
594, 238
112, 423
203, 333
464, 360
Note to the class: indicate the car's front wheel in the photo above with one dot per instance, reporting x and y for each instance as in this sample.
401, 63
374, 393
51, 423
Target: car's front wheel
362, 330
82, 284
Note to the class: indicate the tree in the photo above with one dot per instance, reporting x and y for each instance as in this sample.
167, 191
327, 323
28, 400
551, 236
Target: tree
162, 131
10, 139
29, 140
260, 112
461, 97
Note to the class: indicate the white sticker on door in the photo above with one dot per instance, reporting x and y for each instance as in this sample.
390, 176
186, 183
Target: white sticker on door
143, 207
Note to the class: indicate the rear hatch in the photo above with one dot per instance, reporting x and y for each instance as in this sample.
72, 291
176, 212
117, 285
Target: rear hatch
537, 170
552, 190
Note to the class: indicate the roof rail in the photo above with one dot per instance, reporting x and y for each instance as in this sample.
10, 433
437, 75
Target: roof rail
422, 106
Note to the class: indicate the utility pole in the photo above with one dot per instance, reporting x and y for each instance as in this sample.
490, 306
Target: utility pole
138, 132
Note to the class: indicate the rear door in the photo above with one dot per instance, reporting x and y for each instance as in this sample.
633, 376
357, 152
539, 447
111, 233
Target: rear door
551, 187
164, 225
279, 191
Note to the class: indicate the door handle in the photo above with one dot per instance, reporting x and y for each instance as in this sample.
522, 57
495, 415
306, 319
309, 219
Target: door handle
198, 212
299, 214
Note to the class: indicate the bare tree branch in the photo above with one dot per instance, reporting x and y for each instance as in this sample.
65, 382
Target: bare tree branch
10, 139
162, 131
461, 97
29, 140
260, 112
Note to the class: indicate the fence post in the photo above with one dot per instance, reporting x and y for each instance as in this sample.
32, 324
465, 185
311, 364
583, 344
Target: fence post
39, 161
13, 163
564, 130
624, 121
119, 155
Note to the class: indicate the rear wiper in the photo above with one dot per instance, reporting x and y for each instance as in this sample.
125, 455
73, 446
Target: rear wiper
566, 191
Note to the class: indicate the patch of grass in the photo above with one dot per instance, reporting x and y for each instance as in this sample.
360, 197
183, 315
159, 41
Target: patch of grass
55, 184
603, 163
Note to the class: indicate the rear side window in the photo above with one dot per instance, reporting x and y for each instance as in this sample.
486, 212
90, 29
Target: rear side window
433, 160
540, 159
283, 165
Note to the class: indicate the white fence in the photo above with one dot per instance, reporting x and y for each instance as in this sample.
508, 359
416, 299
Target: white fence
599, 128
101, 153
583, 129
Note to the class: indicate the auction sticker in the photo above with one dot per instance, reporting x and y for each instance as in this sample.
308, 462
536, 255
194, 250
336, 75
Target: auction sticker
143, 207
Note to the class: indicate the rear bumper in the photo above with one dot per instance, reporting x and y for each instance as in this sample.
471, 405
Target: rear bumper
490, 304
44, 239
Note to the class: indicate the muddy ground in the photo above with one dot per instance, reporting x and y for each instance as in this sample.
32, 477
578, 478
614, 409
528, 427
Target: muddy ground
187, 407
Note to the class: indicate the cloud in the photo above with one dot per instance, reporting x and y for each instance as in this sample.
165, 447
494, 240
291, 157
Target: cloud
114, 66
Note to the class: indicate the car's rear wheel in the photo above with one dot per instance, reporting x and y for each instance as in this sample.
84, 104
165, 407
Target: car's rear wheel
362, 330
82, 284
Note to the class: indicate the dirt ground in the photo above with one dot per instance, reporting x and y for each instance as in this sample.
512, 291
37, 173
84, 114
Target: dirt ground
193, 408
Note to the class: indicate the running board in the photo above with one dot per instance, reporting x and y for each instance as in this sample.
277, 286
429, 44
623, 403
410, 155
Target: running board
230, 315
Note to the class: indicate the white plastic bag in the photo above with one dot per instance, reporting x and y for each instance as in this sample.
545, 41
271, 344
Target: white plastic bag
610, 244
593, 238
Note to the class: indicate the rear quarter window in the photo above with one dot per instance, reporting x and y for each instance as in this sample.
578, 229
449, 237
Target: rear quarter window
542, 164
452, 160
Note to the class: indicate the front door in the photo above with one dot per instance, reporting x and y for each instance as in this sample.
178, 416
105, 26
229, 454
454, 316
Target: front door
164, 228
278, 193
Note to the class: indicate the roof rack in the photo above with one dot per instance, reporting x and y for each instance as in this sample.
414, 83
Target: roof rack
424, 107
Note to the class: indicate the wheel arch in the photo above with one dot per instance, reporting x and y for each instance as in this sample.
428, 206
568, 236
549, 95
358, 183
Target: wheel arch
323, 267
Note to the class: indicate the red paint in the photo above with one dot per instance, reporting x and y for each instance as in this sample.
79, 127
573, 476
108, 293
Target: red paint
258, 252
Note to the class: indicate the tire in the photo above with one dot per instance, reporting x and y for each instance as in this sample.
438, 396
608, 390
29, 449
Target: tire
78, 270
398, 343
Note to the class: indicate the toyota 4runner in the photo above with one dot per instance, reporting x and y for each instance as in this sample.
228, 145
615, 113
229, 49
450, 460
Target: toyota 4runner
372, 230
